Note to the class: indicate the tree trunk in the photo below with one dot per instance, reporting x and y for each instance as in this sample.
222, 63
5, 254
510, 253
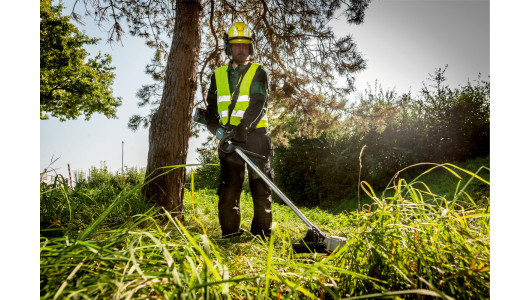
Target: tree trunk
170, 125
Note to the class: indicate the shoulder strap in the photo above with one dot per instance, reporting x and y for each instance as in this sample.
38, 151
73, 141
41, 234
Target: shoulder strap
244, 89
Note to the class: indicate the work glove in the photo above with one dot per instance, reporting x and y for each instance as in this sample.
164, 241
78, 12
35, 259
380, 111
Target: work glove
240, 136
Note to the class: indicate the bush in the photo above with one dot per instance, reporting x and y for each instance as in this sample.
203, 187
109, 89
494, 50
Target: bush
314, 171
97, 178
443, 125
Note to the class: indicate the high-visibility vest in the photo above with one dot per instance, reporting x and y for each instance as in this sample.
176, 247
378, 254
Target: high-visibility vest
224, 97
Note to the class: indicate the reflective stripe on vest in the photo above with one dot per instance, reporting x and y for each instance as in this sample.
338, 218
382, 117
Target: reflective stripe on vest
224, 98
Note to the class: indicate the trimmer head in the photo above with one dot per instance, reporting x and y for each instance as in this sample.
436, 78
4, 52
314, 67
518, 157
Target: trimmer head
334, 242
316, 241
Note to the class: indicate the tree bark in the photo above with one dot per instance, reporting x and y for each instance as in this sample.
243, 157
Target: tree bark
170, 125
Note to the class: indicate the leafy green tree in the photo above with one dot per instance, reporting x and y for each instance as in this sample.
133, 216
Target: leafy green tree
70, 84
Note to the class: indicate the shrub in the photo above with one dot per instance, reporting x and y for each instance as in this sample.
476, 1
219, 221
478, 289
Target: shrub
443, 125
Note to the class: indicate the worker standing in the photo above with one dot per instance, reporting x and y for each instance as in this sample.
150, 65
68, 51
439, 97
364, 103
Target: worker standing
237, 100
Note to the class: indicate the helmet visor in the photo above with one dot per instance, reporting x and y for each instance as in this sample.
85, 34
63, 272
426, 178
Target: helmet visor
240, 40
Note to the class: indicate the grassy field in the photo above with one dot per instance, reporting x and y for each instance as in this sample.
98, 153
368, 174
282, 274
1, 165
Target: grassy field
102, 241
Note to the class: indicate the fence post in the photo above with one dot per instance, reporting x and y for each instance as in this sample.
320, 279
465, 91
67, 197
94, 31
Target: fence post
70, 175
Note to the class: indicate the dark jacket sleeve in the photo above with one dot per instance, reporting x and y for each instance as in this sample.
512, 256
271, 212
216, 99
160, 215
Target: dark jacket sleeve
212, 115
258, 99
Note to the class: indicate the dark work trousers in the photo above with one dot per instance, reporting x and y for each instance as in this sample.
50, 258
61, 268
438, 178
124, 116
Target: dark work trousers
231, 185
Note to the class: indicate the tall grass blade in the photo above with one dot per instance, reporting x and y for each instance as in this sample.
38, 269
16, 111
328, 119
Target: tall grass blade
192, 241
269, 259
63, 285
419, 292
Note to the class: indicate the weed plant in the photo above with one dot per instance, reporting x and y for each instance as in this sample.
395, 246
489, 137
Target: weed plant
409, 243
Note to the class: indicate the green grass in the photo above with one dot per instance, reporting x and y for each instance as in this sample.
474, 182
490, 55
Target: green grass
444, 183
439, 181
410, 243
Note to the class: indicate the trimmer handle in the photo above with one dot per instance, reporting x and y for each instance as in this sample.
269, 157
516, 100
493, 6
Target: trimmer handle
226, 146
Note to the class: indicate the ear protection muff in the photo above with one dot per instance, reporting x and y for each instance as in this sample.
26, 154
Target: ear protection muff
228, 50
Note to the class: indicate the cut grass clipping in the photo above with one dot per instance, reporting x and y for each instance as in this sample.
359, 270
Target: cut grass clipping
412, 244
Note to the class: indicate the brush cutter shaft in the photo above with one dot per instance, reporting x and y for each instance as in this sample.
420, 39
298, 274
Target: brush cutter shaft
277, 190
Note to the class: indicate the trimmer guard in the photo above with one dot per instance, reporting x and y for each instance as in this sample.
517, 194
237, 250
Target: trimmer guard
315, 241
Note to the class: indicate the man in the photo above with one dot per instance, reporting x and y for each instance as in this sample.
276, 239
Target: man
237, 100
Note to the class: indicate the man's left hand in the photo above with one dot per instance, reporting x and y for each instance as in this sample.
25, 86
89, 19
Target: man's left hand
240, 136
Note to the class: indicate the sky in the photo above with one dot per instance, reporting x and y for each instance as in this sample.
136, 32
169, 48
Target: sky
402, 42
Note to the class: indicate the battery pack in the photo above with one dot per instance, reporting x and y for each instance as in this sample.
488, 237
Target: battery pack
200, 116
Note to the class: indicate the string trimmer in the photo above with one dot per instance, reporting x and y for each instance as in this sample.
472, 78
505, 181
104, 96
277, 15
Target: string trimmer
315, 239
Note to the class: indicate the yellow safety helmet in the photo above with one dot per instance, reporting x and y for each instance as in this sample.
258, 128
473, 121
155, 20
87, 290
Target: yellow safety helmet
238, 33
